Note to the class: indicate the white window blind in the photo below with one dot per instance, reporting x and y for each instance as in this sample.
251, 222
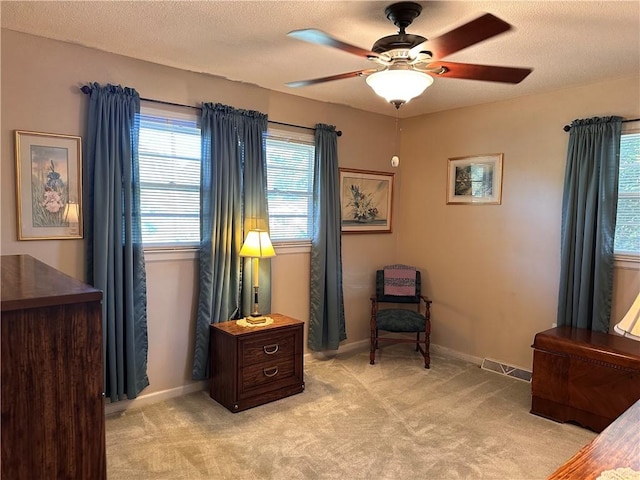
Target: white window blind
290, 161
169, 155
627, 238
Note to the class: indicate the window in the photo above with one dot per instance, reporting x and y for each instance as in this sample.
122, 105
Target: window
169, 155
290, 160
627, 238
170, 158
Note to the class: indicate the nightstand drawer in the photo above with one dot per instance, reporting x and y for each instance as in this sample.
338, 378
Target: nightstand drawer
261, 374
271, 347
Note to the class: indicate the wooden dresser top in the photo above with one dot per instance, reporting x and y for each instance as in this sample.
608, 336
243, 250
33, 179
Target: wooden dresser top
616, 447
30, 283
581, 342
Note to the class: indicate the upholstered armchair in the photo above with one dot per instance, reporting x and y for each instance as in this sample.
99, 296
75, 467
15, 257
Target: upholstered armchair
410, 312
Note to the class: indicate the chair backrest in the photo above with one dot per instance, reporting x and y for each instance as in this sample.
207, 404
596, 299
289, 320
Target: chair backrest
381, 297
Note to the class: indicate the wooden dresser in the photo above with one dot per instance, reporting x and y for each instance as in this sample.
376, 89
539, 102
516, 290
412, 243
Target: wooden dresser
52, 404
617, 447
585, 377
254, 365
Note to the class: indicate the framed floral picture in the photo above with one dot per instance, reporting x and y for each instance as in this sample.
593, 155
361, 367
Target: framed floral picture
475, 180
48, 185
366, 201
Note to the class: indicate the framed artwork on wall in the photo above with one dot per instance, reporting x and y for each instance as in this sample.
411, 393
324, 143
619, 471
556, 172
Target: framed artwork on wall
48, 185
475, 180
366, 201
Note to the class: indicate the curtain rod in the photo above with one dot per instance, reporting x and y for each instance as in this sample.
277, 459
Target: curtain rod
86, 90
566, 128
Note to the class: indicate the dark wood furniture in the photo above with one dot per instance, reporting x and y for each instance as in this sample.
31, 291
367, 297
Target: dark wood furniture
618, 446
585, 377
254, 365
400, 319
52, 402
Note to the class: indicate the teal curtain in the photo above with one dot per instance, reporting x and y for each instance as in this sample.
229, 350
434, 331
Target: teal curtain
232, 177
115, 256
588, 223
326, 320
255, 211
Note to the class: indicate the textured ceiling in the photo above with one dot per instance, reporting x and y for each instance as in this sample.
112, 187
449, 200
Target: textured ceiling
566, 43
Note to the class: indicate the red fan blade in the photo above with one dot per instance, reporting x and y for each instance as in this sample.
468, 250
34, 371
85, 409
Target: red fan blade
340, 76
476, 31
488, 73
319, 37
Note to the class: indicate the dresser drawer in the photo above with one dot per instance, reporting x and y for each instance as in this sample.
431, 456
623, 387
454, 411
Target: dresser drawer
264, 374
271, 347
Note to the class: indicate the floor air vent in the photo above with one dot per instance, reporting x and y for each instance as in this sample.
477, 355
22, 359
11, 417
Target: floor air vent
504, 369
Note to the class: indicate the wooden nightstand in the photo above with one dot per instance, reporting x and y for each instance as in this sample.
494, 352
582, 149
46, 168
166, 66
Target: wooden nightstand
254, 365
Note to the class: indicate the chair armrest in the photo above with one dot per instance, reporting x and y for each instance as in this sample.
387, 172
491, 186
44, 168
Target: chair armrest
426, 299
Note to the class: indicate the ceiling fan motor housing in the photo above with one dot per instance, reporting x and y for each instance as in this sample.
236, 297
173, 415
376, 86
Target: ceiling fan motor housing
402, 14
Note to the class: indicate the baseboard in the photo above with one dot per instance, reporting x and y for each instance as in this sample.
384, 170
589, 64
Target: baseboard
364, 344
346, 348
155, 397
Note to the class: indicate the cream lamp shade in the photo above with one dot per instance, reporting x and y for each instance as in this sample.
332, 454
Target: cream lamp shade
71, 215
629, 326
399, 86
71, 212
257, 245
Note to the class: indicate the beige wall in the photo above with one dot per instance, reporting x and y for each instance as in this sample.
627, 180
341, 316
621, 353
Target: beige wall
493, 270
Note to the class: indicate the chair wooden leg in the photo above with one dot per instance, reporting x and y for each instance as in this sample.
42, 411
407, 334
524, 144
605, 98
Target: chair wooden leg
373, 346
427, 341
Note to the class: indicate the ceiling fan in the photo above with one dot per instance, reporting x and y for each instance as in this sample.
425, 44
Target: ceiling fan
406, 64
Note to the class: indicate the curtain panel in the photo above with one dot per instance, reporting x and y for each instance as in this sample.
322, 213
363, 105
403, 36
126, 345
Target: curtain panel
115, 255
232, 180
589, 207
326, 320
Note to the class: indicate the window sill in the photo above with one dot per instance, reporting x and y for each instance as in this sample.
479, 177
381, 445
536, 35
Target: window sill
284, 248
156, 254
160, 254
629, 262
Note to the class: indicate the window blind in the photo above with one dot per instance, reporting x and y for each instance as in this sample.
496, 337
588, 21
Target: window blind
627, 237
290, 163
169, 156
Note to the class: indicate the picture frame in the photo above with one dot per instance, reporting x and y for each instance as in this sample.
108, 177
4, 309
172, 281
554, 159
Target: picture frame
48, 185
475, 180
366, 201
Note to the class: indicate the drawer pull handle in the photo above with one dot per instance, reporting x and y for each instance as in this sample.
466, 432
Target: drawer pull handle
270, 349
270, 372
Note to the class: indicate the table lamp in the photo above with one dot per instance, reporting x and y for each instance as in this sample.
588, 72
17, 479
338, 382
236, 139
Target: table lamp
629, 326
257, 245
71, 216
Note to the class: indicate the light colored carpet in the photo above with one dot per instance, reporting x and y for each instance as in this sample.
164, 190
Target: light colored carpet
393, 420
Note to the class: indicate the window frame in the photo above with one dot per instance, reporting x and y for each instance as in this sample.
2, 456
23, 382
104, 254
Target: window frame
624, 259
290, 135
178, 249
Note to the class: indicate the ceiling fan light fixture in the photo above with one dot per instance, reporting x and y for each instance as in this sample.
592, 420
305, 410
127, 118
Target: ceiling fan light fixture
399, 86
